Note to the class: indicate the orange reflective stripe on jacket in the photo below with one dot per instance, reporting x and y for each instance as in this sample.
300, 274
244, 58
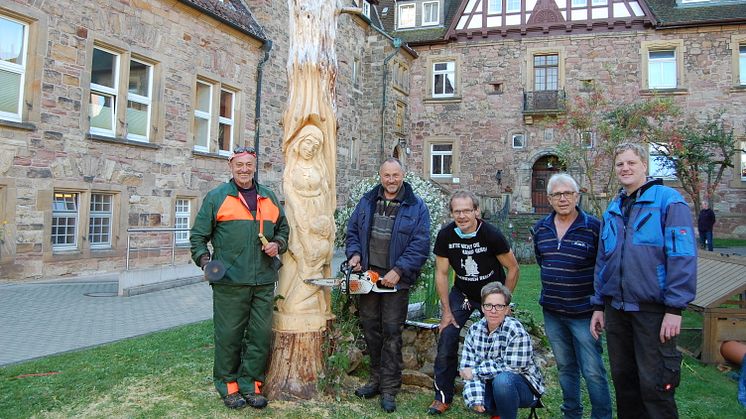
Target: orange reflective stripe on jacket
233, 209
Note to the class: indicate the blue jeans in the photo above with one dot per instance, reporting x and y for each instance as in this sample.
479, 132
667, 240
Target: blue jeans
505, 393
446, 362
705, 239
576, 351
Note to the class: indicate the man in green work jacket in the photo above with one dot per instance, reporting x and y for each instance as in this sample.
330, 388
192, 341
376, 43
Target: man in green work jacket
233, 216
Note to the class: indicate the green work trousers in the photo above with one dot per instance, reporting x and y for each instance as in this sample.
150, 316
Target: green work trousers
242, 315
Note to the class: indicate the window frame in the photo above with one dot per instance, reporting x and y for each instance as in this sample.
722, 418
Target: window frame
399, 14
441, 154
66, 214
202, 114
514, 9
544, 68
20, 69
655, 169
104, 215
424, 22
104, 91
366, 9
543, 51
664, 68
227, 121
142, 100
516, 135
676, 45
181, 238
445, 73
587, 139
427, 166
499, 9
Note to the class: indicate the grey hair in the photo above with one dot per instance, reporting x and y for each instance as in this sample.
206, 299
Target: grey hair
636, 148
463, 193
392, 160
564, 179
497, 288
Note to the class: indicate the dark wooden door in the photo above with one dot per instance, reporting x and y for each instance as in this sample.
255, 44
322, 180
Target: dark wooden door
543, 169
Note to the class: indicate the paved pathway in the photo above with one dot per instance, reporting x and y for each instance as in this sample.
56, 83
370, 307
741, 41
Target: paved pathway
40, 319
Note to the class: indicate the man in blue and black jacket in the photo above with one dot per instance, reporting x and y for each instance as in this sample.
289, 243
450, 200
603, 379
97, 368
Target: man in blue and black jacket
645, 275
565, 244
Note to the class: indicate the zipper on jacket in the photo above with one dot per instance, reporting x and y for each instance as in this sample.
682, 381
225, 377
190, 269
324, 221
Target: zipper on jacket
673, 240
644, 220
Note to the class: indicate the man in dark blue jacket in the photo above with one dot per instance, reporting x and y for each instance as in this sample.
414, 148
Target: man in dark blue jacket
565, 244
389, 233
645, 275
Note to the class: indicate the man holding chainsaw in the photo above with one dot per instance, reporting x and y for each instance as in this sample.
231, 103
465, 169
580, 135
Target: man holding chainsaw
248, 229
388, 233
477, 251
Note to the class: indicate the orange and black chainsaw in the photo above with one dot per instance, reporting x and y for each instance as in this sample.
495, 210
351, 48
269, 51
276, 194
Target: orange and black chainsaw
353, 282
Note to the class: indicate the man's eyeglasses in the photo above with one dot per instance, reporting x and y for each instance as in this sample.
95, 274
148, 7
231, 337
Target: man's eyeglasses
497, 307
464, 212
239, 150
560, 195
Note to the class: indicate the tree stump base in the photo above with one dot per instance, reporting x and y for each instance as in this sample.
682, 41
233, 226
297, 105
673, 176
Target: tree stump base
296, 361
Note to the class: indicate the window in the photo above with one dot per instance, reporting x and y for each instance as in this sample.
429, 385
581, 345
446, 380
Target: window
430, 13
225, 122
182, 218
366, 9
546, 72
598, 2
356, 73
587, 139
104, 86
214, 105
519, 141
513, 6
742, 64
441, 160
202, 112
401, 76
662, 69
139, 94
659, 164
743, 161
13, 46
105, 96
494, 6
65, 221
579, 3
444, 76
99, 224
406, 16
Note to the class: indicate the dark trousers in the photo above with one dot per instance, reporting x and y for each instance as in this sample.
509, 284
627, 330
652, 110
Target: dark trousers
382, 317
645, 372
705, 239
242, 315
446, 362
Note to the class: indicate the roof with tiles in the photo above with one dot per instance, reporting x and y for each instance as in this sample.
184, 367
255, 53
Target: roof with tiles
426, 35
234, 13
672, 13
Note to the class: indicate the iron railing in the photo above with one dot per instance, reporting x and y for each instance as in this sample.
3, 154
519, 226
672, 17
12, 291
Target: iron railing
172, 241
544, 101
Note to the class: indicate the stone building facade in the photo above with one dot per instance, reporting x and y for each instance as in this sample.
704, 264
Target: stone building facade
491, 80
121, 115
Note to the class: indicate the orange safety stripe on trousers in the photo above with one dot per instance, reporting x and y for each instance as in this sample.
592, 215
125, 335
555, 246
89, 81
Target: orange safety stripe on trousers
232, 387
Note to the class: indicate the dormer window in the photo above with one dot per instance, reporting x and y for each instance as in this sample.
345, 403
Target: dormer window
366, 9
406, 16
430, 13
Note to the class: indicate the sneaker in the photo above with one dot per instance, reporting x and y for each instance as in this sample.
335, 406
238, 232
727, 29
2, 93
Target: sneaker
437, 407
234, 401
368, 391
388, 403
257, 401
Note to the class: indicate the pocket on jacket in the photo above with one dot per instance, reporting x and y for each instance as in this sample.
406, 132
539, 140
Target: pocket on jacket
646, 229
680, 241
608, 236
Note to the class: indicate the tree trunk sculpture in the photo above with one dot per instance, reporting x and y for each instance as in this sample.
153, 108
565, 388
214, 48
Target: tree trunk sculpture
309, 148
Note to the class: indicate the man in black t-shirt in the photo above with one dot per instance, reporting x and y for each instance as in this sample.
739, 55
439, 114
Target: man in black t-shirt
477, 251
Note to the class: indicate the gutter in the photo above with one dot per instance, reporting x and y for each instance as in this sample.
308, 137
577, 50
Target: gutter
397, 47
695, 23
267, 48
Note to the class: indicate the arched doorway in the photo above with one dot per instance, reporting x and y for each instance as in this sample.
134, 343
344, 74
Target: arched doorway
542, 170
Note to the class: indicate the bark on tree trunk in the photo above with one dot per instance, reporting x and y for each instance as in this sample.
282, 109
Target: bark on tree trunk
295, 363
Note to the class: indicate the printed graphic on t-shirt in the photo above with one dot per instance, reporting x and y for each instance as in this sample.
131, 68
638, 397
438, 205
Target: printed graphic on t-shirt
469, 266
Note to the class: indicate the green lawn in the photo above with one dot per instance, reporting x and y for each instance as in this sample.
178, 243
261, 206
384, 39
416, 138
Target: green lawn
729, 242
168, 374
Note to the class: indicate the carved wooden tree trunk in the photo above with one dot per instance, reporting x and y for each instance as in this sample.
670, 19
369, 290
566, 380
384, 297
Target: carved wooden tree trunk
309, 147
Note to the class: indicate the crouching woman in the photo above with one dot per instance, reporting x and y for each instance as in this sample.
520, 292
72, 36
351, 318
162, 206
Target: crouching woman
497, 362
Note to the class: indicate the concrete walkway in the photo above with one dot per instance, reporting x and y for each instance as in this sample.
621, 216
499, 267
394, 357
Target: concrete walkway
40, 319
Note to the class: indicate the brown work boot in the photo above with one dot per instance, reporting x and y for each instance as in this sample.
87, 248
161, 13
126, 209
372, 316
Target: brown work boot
437, 407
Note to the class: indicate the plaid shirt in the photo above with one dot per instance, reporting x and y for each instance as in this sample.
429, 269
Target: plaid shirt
508, 348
